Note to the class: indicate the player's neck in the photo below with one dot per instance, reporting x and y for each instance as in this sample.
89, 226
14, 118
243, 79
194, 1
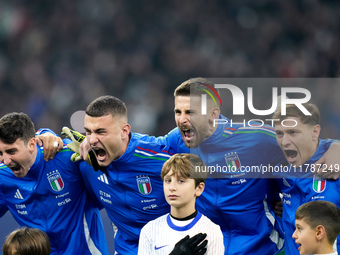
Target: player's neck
324, 248
212, 129
191, 216
33, 156
125, 144
182, 212
313, 149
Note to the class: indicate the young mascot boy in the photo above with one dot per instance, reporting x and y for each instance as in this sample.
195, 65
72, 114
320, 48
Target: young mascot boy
317, 226
183, 181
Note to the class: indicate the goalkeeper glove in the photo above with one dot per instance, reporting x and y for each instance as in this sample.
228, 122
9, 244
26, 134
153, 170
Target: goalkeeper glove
190, 246
77, 138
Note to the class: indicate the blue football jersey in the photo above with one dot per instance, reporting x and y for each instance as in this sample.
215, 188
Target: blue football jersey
131, 189
52, 197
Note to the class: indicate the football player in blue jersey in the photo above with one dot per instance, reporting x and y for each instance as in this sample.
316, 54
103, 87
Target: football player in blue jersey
240, 205
130, 187
300, 143
51, 195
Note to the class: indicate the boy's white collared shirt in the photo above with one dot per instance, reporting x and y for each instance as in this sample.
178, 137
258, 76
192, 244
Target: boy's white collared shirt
159, 236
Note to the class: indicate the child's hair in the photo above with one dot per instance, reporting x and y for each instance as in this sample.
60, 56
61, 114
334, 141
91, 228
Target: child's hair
27, 241
323, 213
187, 166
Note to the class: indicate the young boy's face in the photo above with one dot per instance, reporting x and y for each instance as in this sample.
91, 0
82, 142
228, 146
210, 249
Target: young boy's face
297, 143
181, 192
305, 236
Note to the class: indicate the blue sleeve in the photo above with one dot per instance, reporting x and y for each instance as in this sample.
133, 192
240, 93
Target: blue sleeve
174, 140
44, 130
326, 143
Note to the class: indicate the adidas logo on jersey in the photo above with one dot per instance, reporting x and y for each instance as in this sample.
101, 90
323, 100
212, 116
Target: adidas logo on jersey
18, 195
103, 178
285, 182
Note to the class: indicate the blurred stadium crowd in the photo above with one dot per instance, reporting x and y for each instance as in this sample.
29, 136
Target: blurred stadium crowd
57, 56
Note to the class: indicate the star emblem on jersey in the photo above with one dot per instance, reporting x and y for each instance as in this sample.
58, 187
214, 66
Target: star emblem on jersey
55, 180
319, 184
233, 161
144, 184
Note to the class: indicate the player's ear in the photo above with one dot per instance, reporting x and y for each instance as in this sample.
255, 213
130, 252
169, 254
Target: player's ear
199, 189
316, 131
320, 232
125, 130
32, 144
215, 112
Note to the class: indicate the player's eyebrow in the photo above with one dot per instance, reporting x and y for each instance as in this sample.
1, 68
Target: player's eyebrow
298, 225
95, 130
11, 150
100, 129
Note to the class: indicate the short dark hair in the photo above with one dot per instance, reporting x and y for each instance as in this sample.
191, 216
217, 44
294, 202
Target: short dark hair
184, 165
27, 241
105, 105
192, 86
293, 111
197, 87
16, 125
323, 213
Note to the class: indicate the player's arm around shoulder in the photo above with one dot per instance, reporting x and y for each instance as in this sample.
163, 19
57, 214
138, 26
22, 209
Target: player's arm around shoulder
63, 160
174, 140
329, 163
51, 142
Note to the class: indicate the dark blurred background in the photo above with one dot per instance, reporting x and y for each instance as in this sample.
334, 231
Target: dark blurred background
57, 56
